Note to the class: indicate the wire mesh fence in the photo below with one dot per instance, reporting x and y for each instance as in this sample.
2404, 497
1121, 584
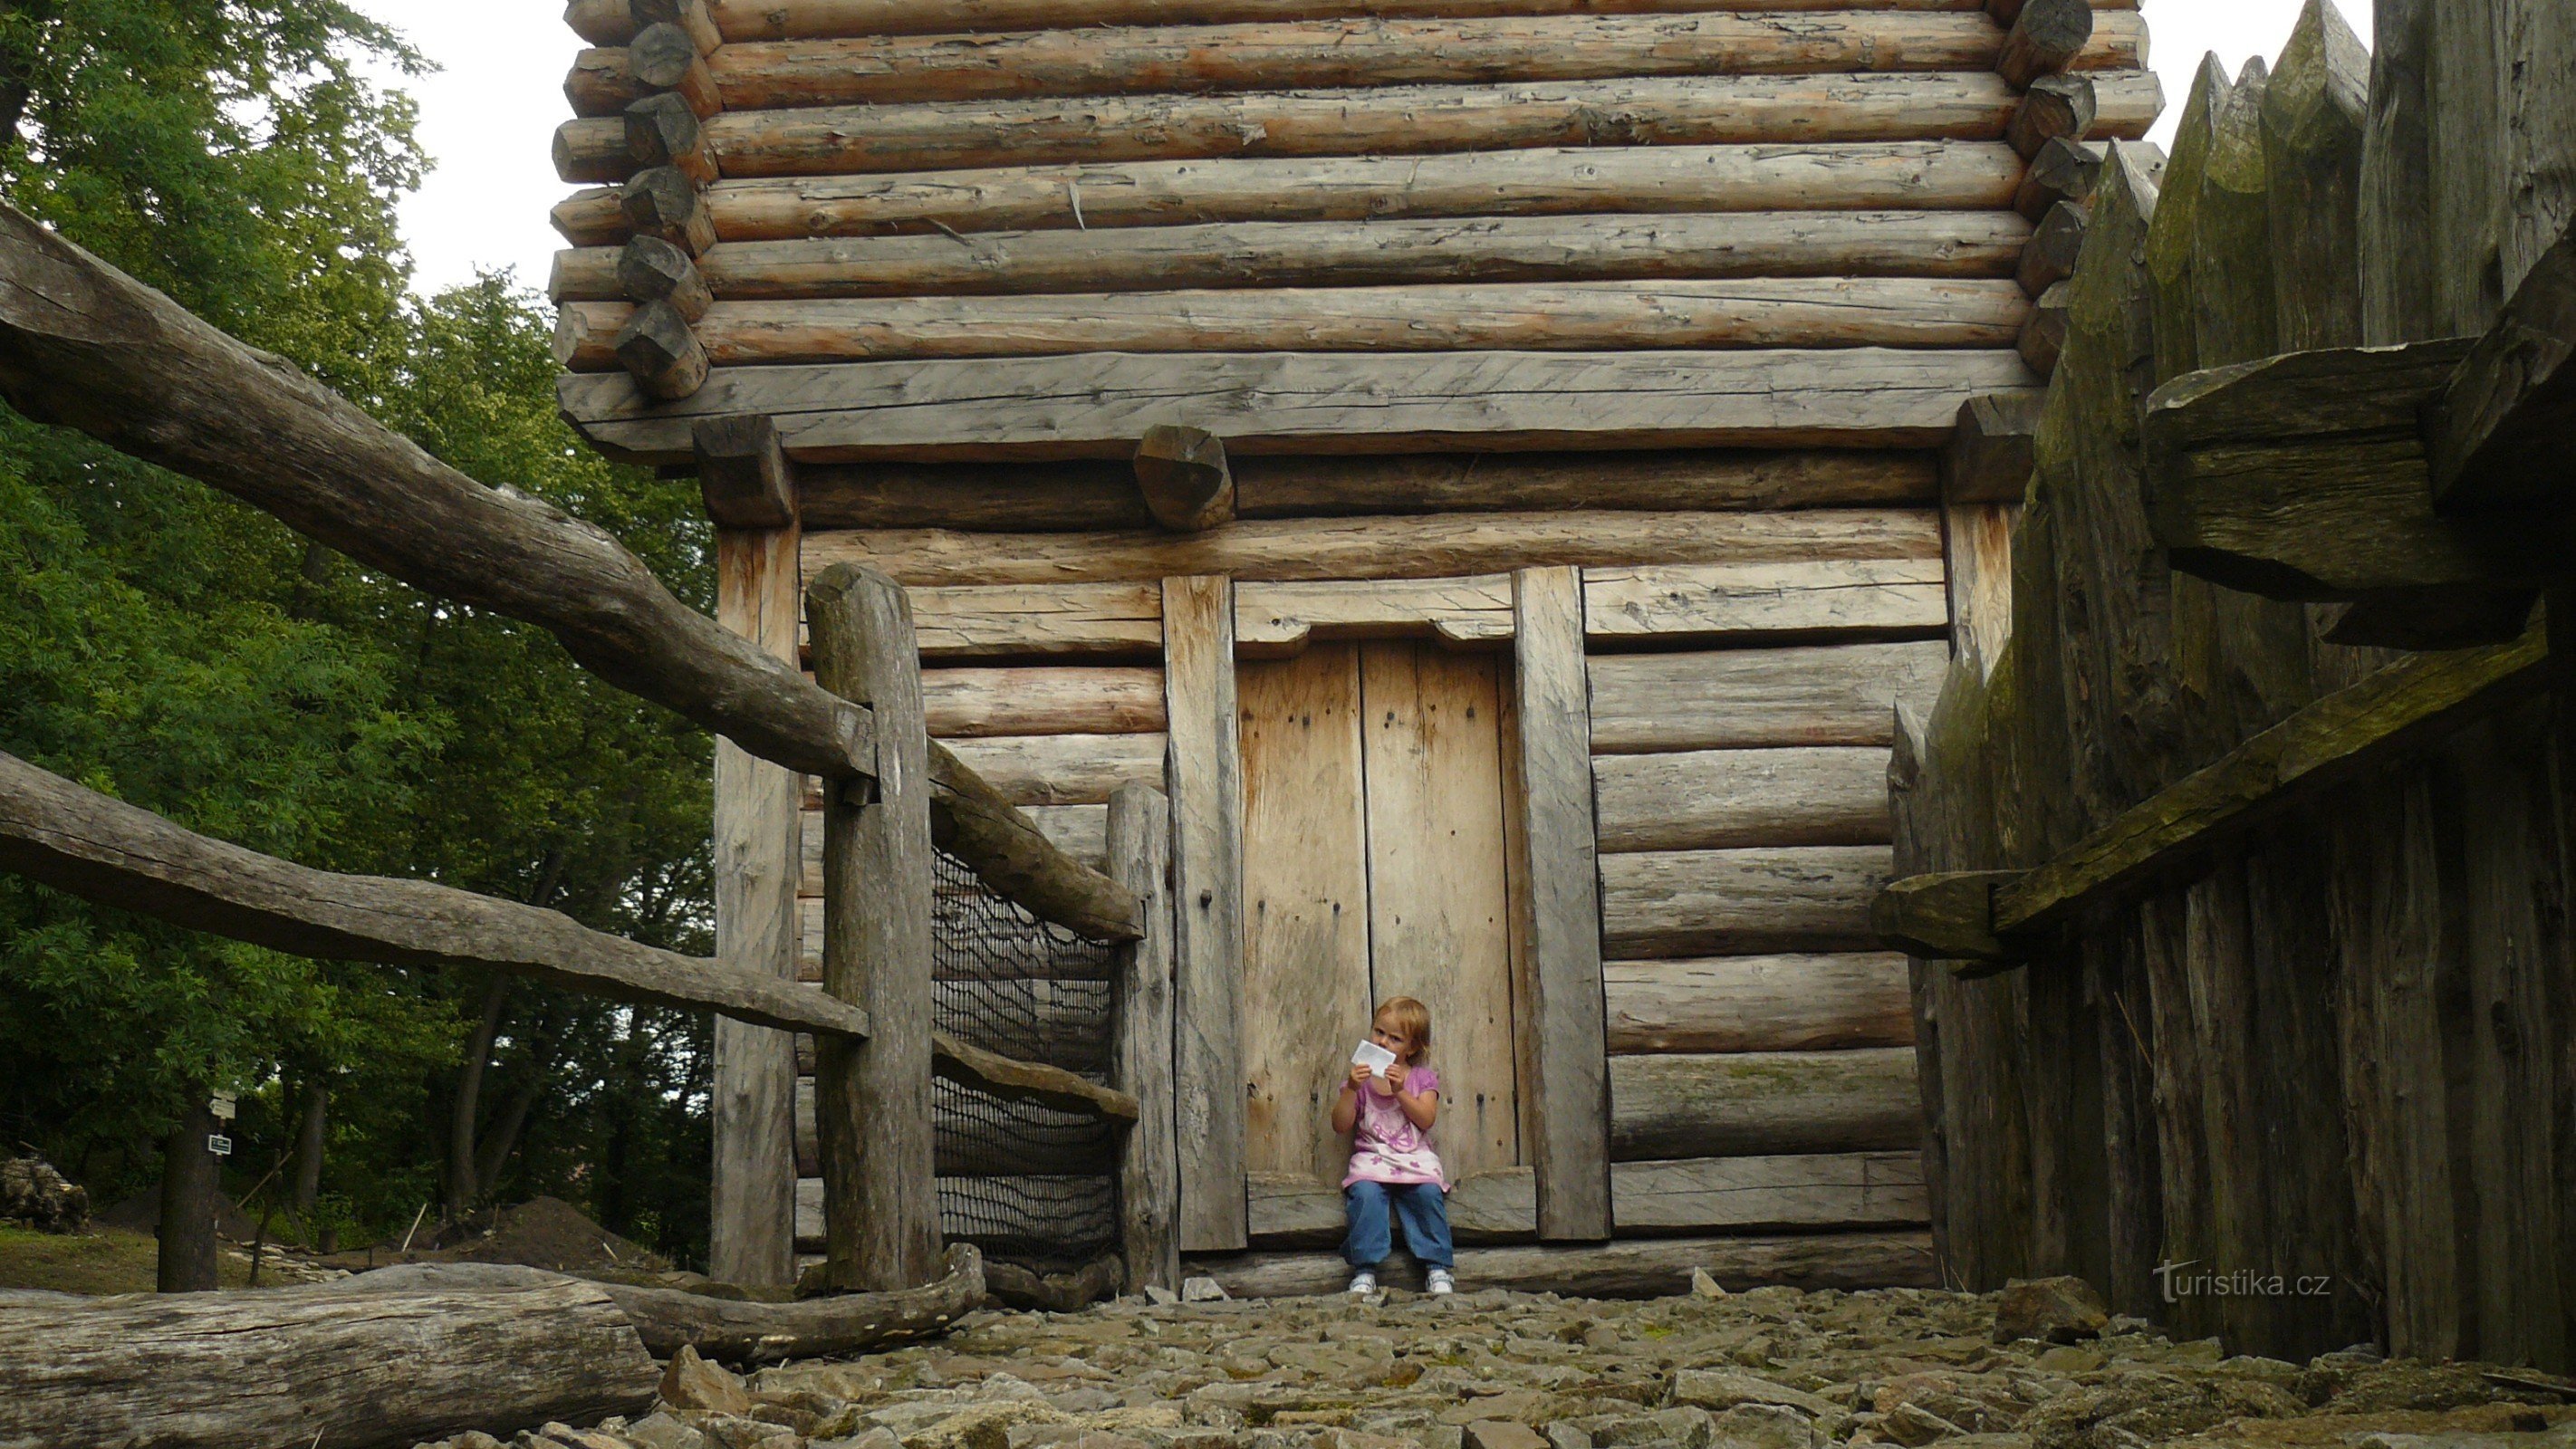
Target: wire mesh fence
1018, 1180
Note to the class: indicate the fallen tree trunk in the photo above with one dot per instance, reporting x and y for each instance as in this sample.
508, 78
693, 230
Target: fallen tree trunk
730, 1330
77, 840
356, 1371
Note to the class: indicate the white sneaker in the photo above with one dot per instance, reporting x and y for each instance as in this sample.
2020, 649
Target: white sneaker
1363, 1281
1440, 1282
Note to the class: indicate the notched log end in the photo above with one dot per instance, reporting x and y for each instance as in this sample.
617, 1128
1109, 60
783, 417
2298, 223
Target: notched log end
1947, 917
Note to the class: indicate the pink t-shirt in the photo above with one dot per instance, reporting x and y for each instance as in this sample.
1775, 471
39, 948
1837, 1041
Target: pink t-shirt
1385, 1145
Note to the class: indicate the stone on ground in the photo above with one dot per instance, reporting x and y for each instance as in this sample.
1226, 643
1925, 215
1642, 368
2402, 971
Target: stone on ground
1501, 1434
691, 1382
2060, 1310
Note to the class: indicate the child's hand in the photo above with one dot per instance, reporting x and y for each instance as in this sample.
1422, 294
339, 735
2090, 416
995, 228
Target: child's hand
1396, 1074
1359, 1076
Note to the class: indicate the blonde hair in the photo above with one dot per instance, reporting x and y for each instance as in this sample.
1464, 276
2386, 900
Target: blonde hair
1413, 1019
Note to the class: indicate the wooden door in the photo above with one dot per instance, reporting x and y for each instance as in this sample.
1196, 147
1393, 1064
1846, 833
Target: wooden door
1375, 866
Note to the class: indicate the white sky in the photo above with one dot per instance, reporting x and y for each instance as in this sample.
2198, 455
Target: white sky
489, 115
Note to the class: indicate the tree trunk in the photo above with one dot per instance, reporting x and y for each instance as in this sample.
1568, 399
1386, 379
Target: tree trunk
463, 1187
503, 1136
310, 1138
188, 1189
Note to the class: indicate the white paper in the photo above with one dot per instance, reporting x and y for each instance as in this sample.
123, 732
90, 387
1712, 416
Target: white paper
1374, 1057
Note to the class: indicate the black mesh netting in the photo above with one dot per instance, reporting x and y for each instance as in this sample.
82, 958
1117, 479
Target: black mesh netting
1018, 1180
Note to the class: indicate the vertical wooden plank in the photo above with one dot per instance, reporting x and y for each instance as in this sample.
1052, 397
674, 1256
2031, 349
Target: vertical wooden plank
1305, 890
2540, 133
1439, 912
1149, 1193
1978, 540
2464, 71
1568, 1090
752, 1208
872, 1098
2397, 254
1206, 776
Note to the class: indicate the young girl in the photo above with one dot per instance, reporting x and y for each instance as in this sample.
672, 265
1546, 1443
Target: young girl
1392, 1164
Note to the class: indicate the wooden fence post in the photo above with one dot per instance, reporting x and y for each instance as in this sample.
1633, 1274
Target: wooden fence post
1140, 856
872, 1098
1205, 772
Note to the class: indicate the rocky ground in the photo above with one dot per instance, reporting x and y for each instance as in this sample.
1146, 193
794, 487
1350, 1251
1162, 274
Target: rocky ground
1773, 1368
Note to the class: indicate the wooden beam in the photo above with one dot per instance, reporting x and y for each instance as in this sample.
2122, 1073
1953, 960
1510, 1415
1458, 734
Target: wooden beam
1723, 799
2050, 257
1763, 1103
1634, 1268
873, 1104
1338, 253
1013, 1080
83, 345
1715, 603
650, 269
745, 479
660, 351
1062, 769
2064, 170
1707, 902
1182, 473
1945, 917
1015, 621
1564, 1101
1759, 1003
1055, 700
1436, 546
1990, 456
2498, 438
1096, 405
1278, 620
755, 868
1758, 698
1149, 1189
76, 840
1572, 316
1206, 781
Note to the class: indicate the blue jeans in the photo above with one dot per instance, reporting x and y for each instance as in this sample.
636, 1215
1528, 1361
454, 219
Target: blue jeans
1422, 1205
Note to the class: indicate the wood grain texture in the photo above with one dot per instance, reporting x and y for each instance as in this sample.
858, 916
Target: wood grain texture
1010, 621
1205, 777
873, 1105
1306, 905
1682, 1106
1561, 923
1063, 769
1097, 405
1720, 799
1662, 904
1426, 547
756, 868
1755, 698
1758, 1004
1064, 700
1710, 603
1638, 1268
1333, 254
1149, 1188
1979, 538
1278, 620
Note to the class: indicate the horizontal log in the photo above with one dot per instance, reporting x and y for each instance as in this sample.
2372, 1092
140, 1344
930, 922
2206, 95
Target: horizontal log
1368, 51
1027, 620
1064, 769
1427, 547
2306, 477
1087, 496
1014, 1080
1749, 698
1876, 176
1675, 1106
1586, 316
610, 22
1278, 620
1326, 254
1294, 1210
1709, 603
1759, 1003
1638, 1268
1664, 904
1721, 799
105, 850
375, 1370
970, 703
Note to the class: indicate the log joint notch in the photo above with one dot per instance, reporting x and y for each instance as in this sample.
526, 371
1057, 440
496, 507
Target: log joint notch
1183, 474
665, 68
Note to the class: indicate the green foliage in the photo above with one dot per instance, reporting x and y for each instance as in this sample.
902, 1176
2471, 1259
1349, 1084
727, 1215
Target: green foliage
167, 646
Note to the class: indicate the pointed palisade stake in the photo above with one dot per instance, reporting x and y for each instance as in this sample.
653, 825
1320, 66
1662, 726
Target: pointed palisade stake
1183, 475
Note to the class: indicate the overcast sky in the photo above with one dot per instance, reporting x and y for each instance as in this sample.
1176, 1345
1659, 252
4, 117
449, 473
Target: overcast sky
489, 114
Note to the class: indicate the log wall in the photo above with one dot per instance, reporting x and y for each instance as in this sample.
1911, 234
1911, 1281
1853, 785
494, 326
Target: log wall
2327, 1053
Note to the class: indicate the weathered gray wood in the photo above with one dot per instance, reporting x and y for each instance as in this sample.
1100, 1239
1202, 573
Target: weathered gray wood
1095, 405
1052, 700
2234, 312
2064, 170
729, 1330
660, 130
1709, 603
1205, 777
756, 868
2046, 37
1062, 769
2498, 437
85, 346
2043, 336
1717, 799
1563, 1098
1705, 902
1749, 698
1183, 475
1149, 1189
2314, 113
1947, 915
981, 826
1014, 1080
1988, 459
2055, 105
1435, 546
1810, 1191
746, 482
1295, 1210
77, 840
1759, 1103
2050, 257
1023, 621
2397, 179
661, 352
374, 1370
1638, 1268
873, 1105
663, 202
1325, 254
2172, 237
1758, 1004
650, 269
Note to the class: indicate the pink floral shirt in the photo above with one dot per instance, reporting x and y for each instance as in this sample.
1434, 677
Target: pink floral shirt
1385, 1145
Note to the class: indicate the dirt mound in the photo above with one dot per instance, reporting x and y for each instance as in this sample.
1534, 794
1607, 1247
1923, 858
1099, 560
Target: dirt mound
549, 1233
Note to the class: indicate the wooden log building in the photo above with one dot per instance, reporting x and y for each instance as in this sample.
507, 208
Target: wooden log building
1482, 461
